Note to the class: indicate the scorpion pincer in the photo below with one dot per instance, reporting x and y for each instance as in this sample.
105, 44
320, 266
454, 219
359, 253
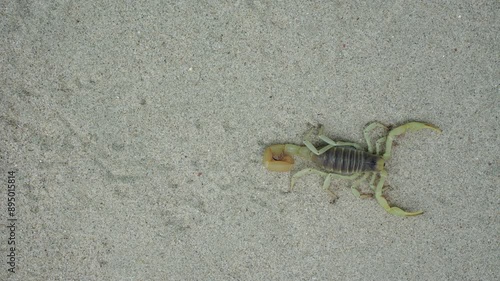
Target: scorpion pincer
345, 160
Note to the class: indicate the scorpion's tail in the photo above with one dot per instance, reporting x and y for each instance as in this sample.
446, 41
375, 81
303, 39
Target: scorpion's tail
276, 159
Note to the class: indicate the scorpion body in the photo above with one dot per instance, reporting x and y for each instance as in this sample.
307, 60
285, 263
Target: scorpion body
345, 160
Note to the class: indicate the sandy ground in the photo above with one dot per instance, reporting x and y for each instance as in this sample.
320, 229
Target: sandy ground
135, 132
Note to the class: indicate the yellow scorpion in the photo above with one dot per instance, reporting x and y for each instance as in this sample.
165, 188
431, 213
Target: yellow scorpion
345, 160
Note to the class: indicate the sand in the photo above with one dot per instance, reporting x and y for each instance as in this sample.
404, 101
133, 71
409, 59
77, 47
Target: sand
133, 134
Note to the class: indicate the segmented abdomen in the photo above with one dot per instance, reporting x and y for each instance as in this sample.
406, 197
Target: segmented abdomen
346, 160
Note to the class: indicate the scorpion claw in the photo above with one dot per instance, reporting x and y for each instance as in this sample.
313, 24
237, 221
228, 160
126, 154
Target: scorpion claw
412, 126
400, 213
395, 210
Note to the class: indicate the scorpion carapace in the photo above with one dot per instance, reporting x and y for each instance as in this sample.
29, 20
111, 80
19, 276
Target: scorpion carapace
345, 160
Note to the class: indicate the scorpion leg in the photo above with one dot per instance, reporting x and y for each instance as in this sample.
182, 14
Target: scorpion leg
367, 131
311, 147
354, 188
339, 143
379, 143
328, 178
372, 181
331, 143
383, 202
412, 126
315, 150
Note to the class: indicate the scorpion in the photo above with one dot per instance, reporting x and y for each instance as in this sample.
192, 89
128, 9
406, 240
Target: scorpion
345, 160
